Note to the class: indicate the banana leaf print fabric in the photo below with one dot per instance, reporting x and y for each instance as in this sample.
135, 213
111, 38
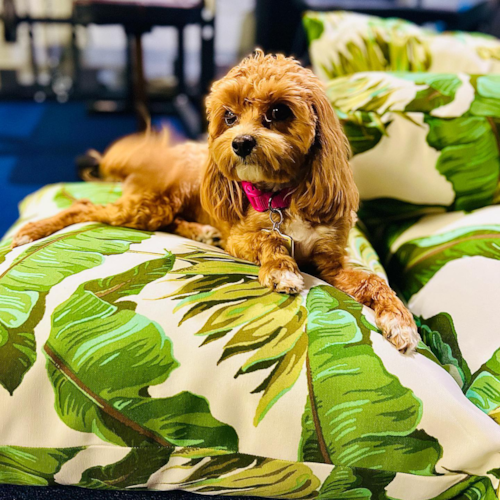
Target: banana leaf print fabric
137, 360
442, 262
343, 43
421, 142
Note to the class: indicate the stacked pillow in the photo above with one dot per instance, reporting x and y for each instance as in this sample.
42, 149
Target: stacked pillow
343, 43
422, 141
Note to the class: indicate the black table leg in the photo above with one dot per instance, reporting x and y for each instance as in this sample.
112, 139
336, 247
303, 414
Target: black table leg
207, 52
179, 62
139, 92
75, 54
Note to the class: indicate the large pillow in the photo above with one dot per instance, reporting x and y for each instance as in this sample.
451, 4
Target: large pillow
448, 268
343, 43
422, 142
137, 360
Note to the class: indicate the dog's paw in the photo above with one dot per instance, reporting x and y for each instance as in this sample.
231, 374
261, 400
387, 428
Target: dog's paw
281, 279
203, 233
30, 232
284, 281
20, 239
399, 329
209, 235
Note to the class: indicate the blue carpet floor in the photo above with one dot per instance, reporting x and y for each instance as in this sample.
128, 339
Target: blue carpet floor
39, 143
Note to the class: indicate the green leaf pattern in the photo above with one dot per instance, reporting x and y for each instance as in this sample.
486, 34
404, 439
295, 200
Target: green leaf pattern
44, 265
97, 330
415, 263
343, 43
358, 429
269, 325
349, 385
464, 133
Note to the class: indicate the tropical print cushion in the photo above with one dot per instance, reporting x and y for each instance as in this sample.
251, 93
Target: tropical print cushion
342, 43
421, 142
448, 268
138, 360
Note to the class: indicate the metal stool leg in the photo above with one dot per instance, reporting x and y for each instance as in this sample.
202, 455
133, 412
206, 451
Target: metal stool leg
183, 107
75, 53
180, 62
207, 55
138, 81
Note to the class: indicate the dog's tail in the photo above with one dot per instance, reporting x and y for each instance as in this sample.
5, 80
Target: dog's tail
88, 166
124, 157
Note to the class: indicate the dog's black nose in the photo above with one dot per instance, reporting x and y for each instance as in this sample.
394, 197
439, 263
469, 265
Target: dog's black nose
243, 145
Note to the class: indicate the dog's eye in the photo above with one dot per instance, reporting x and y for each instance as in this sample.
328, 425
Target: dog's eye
229, 118
278, 113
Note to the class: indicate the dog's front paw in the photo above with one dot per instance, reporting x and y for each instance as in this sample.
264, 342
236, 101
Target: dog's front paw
209, 235
399, 328
31, 232
282, 277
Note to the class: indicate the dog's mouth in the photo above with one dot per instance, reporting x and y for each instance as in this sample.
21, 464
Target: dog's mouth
251, 173
256, 173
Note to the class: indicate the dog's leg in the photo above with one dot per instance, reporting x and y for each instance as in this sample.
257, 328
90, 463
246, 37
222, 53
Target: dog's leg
278, 270
139, 212
203, 233
391, 316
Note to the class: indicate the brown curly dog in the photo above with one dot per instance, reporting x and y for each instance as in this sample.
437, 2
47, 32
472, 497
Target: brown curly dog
274, 142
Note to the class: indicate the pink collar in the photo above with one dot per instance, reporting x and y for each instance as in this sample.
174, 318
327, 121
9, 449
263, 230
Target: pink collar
260, 199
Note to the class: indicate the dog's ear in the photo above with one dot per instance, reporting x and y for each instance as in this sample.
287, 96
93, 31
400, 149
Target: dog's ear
221, 198
328, 192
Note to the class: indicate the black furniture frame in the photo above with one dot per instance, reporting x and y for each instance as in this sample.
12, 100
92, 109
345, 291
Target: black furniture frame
137, 20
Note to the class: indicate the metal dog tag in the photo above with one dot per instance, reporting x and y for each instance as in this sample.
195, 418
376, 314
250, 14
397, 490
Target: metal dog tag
287, 240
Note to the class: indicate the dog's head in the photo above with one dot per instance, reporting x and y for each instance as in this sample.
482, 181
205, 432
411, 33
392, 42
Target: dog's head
270, 123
